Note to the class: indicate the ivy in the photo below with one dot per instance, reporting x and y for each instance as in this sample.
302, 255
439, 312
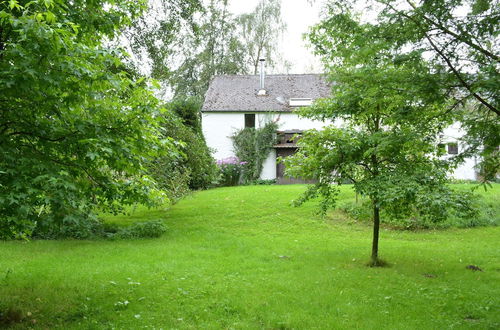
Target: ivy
252, 145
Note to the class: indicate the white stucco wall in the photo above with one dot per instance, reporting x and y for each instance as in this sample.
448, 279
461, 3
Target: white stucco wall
467, 170
218, 127
269, 167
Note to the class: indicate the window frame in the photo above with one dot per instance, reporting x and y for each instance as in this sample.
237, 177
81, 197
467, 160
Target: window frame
452, 148
249, 120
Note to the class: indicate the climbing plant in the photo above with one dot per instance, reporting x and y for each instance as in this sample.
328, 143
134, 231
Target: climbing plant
252, 145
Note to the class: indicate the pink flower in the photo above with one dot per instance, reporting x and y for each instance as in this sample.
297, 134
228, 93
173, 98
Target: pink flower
229, 161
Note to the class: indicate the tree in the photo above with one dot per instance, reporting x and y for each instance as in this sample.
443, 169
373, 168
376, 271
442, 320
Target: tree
260, 33
188, 110
211, 49
461, 37
460, 41
187, 42
388, 105
75, 130
154, 38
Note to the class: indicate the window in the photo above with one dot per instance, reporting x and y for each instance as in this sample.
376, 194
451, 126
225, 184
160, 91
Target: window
300, 102
453, 148
249, 120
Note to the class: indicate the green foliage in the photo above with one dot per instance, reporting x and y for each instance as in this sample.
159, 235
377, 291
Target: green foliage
252, 146
457, 209
389, 104
75, 130
188, 110
153, 37
212, 48
483, 140
261, 182
14, 228
187, 42
143, 229
172, 175
73, 225
459, 41
193, 165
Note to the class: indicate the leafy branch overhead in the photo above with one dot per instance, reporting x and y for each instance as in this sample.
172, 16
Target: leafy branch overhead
463, 40
458, 41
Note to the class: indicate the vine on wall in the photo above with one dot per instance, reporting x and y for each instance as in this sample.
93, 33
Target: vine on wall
252, 145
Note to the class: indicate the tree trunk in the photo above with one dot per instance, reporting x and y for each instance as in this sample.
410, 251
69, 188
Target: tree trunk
376, 226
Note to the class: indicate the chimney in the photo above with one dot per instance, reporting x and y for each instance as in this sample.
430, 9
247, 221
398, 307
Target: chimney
262, 90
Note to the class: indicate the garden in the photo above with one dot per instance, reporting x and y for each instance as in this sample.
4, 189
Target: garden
114, 213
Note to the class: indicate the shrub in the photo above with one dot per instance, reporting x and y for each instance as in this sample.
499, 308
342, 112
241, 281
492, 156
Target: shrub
192, 168
171, 175
73, 225
188, 110
459, 210
262, 182
146, 229
77, 130
455, 181
12, 228
187, 128
231, 170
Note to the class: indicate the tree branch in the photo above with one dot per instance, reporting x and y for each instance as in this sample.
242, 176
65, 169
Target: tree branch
32, 147
460, 78
455, 35
445, 58
366, 167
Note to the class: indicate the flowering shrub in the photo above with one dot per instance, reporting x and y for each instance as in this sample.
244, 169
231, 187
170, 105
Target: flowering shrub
231, 169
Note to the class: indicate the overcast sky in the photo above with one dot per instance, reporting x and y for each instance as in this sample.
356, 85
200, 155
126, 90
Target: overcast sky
298, 16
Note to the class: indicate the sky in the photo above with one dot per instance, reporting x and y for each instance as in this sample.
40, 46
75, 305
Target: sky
298, 15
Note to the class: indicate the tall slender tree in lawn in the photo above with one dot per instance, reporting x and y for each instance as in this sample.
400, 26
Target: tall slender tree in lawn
386, 111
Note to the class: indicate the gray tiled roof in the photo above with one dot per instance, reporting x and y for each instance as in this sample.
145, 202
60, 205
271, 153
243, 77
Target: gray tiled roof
239, 92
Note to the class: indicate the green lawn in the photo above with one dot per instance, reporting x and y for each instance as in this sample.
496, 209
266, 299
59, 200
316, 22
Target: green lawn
243, 258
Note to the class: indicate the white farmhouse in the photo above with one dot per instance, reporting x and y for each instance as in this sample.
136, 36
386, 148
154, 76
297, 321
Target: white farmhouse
237, 101
234, 102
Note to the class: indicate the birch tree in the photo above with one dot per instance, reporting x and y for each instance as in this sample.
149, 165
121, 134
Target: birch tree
260, 32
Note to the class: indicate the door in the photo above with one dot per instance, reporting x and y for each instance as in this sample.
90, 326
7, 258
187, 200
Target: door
280, 168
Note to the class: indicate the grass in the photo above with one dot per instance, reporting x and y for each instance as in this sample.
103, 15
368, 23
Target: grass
243, 258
